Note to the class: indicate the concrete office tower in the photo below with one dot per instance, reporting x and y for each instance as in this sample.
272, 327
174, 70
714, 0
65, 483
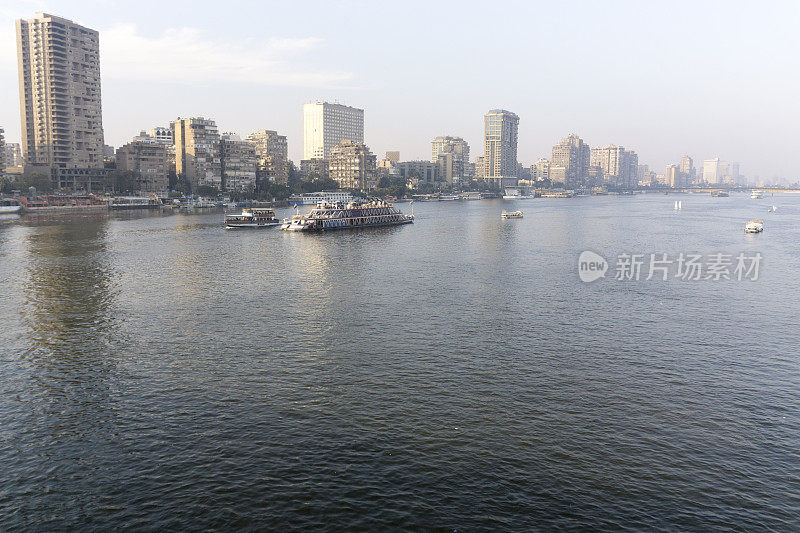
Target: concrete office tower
500, 147
59, 87
620, 166
148, 160
452, 156
353, 166
686, 168
238, 163
418, 172
326, 125
711, 171
574, 155
673, 177
272, 152
197, 151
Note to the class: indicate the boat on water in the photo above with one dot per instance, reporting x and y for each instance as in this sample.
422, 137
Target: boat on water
505, 215
678, 205
355, 214
754, 226
9, 206
513, 193
757, 195
447, 197
773, 208
252, 218
719, 194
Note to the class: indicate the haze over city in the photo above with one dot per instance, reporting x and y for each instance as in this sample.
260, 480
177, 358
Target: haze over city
708, 79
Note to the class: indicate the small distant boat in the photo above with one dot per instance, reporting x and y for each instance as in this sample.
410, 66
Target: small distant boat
757, 195
252, 218
719, 194
773, 209
754, 226
505, 215
678, 205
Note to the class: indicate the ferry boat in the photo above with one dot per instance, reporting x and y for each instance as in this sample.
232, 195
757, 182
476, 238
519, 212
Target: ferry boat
252, 218
10, 206
754, 226
757, 195
340, 215
505, 215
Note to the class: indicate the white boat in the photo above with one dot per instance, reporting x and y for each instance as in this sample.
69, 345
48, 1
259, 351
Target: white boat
10, 206
505, 215
773, 208
356, 214
447, 197
678, 205
757, 195
513, 193
754, 226
252, 218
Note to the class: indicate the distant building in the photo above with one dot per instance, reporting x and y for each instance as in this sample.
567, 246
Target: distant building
326, 125
541, 169
393, 156
418, 172
454, 166
197, 151
2, 153
59, 80
501, 129
687, 170
711, 171
238, 163
353, 166
148, 160
272, 152
480, 171
13, 155
574, 155
672, 176
620, 166
314, 168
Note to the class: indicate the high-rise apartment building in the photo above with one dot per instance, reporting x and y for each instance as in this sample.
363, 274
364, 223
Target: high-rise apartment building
272, 152
574, 155
620, 166
673, 177
418, 172
147, 159
59, 86
326, 125
541, 169
13, 155
238, 163
500, 147
686, 167
353, 166
452, 156
197, 151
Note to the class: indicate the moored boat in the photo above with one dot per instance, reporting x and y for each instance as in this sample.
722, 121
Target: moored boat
9, 206
252, 218
757, 195
340, 215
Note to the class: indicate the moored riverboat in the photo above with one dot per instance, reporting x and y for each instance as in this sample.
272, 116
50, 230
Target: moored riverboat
351, 215
253, 218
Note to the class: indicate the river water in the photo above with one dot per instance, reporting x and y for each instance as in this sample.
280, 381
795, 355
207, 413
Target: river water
159, 372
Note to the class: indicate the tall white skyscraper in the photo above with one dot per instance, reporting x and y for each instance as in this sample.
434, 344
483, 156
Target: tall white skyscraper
325, 125
500, 145
59, 85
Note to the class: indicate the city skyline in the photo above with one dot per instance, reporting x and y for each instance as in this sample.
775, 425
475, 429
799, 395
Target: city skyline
660, 125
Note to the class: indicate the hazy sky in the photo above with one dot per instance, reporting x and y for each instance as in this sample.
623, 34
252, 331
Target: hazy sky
662, 78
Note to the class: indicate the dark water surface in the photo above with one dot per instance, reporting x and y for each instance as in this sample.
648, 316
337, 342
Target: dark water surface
158, 372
